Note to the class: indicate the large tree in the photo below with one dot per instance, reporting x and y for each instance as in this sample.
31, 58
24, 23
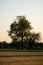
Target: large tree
24, 27
20, 28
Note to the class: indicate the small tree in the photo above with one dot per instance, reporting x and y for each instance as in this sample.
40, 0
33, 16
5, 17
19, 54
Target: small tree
34, 38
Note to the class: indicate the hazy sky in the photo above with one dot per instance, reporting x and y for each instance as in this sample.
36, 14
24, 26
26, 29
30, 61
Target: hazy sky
9, 9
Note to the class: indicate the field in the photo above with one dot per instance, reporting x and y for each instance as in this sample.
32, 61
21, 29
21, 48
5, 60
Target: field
21, 58
10, 54
30, 60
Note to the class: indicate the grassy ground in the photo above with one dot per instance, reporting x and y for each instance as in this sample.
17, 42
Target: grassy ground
30, 60
20, 50
11, 54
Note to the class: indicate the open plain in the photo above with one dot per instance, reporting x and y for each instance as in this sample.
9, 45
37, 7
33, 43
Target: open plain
29, 60
21, 58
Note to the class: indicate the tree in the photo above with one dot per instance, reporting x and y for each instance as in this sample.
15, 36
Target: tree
24, 27
20, 28
34, 38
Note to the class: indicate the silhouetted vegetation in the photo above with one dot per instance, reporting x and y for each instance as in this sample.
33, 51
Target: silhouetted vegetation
14, 46
22, 37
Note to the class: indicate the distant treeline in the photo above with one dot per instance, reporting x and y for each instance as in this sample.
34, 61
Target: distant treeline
18, 45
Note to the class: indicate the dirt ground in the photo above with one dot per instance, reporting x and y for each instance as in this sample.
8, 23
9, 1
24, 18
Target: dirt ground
29, 60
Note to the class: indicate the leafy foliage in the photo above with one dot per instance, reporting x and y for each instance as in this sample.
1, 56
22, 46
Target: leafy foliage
20, 28
20, 33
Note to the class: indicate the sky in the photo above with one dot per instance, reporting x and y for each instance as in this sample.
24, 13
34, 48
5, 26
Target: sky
9, 9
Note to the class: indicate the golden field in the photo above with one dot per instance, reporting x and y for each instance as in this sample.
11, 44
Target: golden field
22, 60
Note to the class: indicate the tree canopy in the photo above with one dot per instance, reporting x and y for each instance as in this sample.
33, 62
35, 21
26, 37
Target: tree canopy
20, 30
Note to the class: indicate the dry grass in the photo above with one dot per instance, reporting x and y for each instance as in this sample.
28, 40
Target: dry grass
30, 60
19, 53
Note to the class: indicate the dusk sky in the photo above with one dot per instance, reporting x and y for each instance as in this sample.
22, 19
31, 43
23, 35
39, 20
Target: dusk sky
9, 9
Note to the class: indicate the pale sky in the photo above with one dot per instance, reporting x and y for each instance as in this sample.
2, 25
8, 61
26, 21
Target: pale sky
9, 9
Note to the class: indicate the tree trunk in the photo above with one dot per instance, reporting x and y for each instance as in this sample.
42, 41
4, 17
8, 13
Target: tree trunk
22, 40
22, 35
